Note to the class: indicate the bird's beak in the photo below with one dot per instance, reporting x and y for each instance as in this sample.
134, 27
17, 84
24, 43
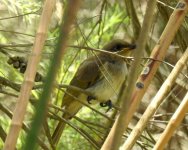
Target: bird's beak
127, 51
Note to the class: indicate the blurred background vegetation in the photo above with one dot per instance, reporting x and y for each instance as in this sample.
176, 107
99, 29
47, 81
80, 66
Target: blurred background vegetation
97, 23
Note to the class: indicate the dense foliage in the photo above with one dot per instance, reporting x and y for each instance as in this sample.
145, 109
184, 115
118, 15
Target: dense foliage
97, 23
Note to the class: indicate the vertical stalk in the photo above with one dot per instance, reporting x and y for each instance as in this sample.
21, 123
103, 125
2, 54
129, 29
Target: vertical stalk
29, 77
68, 20
114, 138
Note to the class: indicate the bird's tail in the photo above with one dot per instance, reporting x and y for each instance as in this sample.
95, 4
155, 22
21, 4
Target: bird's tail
72, 109
58, 132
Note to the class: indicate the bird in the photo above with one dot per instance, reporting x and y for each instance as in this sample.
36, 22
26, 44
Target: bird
102, 75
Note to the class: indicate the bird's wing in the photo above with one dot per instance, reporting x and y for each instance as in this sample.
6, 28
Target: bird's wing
87, 75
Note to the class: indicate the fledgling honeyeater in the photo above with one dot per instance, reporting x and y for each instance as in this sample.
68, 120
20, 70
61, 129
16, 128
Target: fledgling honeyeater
102, 75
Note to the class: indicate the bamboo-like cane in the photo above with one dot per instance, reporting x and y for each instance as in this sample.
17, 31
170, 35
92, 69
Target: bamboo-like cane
114, 138
29, 77
156, 102
173, 124
148, 73
41, 108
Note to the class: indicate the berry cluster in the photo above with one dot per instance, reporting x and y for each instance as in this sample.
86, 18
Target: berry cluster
20, 63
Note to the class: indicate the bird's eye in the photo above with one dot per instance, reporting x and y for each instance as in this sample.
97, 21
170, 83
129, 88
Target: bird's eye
117, 48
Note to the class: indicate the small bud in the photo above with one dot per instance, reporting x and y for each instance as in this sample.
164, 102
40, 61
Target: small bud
23, 67
16, 64
38, 77
10, 61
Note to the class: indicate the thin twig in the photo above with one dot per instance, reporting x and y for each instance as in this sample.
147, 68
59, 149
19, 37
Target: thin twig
21, 15
92, 141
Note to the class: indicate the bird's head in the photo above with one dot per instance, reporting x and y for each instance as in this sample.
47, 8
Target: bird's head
120, 47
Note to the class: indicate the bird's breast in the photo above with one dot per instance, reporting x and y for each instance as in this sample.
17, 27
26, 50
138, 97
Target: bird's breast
112, 76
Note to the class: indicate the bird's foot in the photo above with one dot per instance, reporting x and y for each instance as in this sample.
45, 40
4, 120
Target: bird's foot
107, 104
90, 98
